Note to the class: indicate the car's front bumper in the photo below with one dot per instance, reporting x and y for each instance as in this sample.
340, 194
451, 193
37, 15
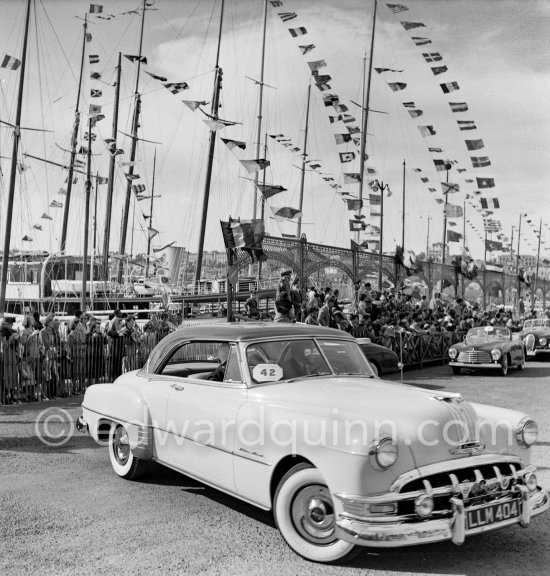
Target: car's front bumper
484, 365
381, 532
538, 352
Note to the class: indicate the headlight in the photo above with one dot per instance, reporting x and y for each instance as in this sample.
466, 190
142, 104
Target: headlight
453, 353
496, 354
424, 505
531, 482
527, 432
383, 454
542, 341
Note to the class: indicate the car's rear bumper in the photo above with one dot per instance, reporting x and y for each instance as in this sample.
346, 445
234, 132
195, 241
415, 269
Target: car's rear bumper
484, 365
455, 528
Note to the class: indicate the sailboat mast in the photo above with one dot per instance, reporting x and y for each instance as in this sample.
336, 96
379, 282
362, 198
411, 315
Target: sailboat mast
212, 145
111, 181
87, 216
135, 125
74, 142
149, 238
13, 170
260, 110
304, 154
365, 117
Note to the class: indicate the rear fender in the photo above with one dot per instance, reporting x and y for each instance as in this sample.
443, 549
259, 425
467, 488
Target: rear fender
105, 404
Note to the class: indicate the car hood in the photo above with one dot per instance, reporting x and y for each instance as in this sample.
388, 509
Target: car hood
485, 346
541, 332
433, 425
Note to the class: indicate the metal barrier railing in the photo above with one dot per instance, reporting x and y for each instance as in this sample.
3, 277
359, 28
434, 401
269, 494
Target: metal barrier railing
29, 372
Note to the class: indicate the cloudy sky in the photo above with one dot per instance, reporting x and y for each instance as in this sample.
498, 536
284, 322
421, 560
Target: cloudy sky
496, 50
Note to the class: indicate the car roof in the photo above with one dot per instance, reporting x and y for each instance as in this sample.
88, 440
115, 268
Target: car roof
242, 332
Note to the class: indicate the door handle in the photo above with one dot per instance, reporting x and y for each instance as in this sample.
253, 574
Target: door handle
177, 387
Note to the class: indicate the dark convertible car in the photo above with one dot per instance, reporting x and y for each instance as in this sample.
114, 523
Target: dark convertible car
382, 359
488, 347
536, 337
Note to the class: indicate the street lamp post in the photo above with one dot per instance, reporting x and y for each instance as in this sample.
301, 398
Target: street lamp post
377, 185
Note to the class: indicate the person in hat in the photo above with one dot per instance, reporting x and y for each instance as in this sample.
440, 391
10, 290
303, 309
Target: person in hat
284, 284
283, 307
251, 306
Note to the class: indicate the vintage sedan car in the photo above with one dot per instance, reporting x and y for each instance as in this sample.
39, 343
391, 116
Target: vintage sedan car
536, 337
382, 359
291, 419
488, 347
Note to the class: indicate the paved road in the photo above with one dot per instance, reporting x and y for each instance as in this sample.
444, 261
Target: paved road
63, 511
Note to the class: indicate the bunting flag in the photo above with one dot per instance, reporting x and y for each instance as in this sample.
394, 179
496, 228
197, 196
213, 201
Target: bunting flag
489, 202
480, 161
56, 204
439, 70
453, 236
297, 31
152, 232
269, 190
131, 176
427, 131
46, 216
491, 225
492, 245
38, 227
322, 82
342, 138
286, 213
95, 119
453, 211
432, 56
142, 59
346, 157
95, 76
485, 182
439, 200
164, 247
449, 87
474, 144
409, 104
193, 104
522, 277
442, 165
253, 166
415, 113
10, 62
380, 70
354, 203
421, 41
306, 48
375, 199
92, 136
94, 58
458, 106
424, 179
62, 191
436, 150
352, 177
411, 25
286, 16
276, 3
95, 9
234, 144
396, 8
396, 86
214, 125
157, 77
315, 65
245, 234
26, 238
138, 188
88, 37
176, 87
102, 180
466, 124
449, 188
94, 109
356, 225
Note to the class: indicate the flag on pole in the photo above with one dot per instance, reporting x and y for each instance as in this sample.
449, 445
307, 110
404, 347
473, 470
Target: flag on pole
466, 124
346, 156
474, 144
10, 62
449, 188
458, 106
297, 31
449, 87
485, 182
439, 70
432, 56
453, 211
354, 203
453, 236
480, 161
487, 203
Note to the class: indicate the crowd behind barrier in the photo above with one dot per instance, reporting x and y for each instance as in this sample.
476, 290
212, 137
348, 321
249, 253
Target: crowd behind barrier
43, 359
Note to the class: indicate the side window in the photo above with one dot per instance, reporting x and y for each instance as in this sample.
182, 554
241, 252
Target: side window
191, 358
233, 369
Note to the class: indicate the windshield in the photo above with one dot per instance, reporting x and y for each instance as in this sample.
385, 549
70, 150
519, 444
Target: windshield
486, 334
287, 360
539, 323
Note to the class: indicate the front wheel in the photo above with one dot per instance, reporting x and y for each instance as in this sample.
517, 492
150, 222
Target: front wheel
305, 516
504, 367
456, 370
124, 463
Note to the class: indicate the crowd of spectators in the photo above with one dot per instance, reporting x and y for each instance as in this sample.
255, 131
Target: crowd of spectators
47, 358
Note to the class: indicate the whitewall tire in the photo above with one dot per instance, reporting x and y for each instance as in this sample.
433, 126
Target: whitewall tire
124, 463
304, 514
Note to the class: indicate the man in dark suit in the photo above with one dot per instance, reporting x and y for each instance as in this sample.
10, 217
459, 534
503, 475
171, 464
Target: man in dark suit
223, 355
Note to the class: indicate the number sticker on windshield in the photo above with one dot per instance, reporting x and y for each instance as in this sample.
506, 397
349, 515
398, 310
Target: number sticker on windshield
267, 372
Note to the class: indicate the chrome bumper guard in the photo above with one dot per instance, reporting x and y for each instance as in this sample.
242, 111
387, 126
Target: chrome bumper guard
82, 425
496, 365
375, 532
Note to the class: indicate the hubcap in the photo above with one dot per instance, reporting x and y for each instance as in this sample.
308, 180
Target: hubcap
121, 446
313, 514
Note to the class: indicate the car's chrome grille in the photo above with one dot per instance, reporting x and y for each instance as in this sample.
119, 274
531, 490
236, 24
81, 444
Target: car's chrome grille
474, 357
474, 485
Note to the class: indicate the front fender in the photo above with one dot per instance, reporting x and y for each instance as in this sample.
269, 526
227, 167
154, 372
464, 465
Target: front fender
107, 403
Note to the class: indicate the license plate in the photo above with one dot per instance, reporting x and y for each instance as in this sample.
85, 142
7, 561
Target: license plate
492, 514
